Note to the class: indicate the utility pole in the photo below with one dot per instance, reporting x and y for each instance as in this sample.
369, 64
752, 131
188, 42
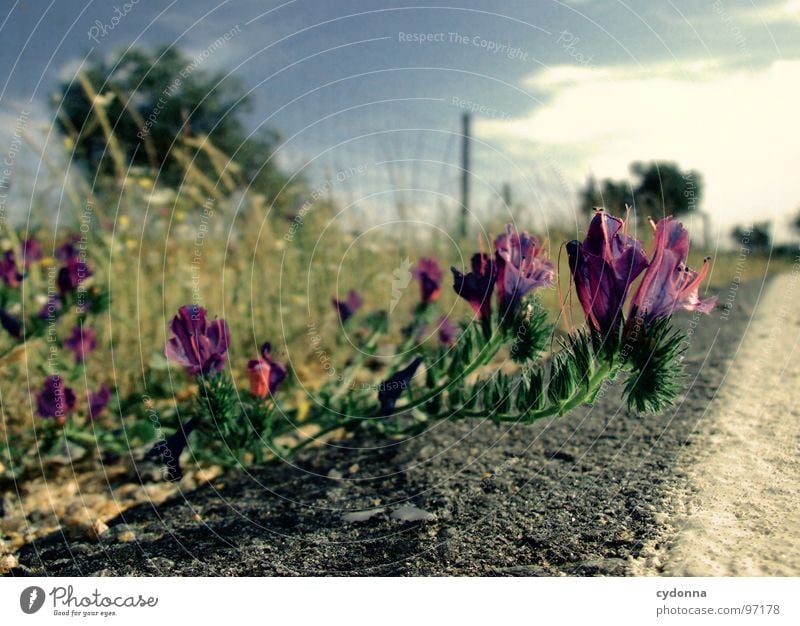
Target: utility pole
506, 191
465, 135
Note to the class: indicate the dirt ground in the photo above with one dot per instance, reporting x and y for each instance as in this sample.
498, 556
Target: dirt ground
598, 492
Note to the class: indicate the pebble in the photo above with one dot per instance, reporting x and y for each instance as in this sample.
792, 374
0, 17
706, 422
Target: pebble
7, 563
410, 513
97, 530
126, 536
361, 516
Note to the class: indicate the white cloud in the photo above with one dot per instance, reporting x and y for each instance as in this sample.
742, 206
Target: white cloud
738, 129
787, 11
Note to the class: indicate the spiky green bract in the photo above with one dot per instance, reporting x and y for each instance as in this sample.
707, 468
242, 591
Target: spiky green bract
652, 357
528, 332
233, 425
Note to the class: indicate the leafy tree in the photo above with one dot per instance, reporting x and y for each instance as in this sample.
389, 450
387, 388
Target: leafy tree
757, 238
611, 194
659, 189
160, 110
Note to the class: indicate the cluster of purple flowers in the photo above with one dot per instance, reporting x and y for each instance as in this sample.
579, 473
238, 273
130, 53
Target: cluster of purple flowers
519, 265
608, 261
56, 400
201, 347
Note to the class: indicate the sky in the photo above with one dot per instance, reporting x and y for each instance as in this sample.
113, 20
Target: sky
369, 94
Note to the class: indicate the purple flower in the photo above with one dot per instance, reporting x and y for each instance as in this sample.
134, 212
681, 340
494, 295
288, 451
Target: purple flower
197, 344
394, 386
429, 274
522, 265
69, 249
8, 269
265, 374
603, 268
81, 342
169, 450
476, 286
447, 331
55, 400
98, 401
72, 274
12, 325
346, 308
31, 251
668, 284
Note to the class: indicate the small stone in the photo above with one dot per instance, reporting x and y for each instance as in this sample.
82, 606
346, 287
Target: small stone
7, 563
410, 513
126, 536
97, 530
360, 516
354, 468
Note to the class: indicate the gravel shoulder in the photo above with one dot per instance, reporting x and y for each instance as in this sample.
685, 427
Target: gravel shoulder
597, 492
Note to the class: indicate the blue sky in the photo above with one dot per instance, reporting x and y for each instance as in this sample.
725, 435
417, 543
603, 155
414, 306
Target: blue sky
564, 89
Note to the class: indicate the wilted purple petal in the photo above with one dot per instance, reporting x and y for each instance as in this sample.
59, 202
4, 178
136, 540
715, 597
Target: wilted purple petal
169, 450
394, 386
265, 373
348, 307
11, 324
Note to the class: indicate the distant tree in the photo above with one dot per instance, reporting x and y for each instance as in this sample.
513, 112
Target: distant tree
659, 189
609, 194
666, 190
162, 106
757, 238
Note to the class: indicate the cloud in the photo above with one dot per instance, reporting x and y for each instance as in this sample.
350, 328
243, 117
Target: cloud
786, 11
739, 129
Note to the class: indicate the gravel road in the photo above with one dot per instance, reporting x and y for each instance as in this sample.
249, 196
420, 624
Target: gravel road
598, 492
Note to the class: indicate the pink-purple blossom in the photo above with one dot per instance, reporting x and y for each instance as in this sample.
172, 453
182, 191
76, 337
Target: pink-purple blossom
668, 284
55, 399
447, 331
197, 344
8, 269
522, 265
81, 341
98, 401
603, 267
429, 274
31, 251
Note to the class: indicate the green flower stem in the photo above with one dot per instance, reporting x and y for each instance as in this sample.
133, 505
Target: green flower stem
577, 399
486, 354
